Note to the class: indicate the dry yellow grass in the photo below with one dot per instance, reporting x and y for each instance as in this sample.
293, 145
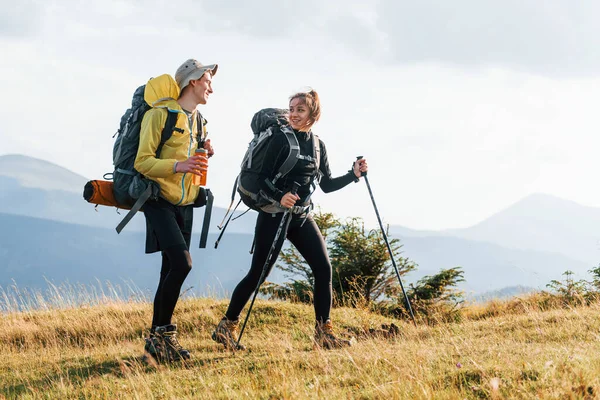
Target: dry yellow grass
94, 352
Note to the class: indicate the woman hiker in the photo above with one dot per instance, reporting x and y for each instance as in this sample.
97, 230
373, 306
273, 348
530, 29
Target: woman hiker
303, 232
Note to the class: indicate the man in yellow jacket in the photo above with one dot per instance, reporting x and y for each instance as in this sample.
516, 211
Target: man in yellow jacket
169, 218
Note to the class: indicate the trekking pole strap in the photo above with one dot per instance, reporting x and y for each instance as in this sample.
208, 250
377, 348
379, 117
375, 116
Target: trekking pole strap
233, 191
226, 224
206, 221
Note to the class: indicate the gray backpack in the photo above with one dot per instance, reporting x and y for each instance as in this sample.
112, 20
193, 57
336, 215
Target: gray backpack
266, 123
128, 184
130, 188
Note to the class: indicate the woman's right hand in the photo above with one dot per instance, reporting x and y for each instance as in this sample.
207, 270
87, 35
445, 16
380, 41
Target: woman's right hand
195, 164
289, 200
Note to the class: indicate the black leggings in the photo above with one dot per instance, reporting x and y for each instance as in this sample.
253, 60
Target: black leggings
176, 265
169, 230
308, 241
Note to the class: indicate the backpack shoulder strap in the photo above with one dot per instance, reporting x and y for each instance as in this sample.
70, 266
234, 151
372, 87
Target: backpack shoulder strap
316, 152
200, 122
292, 157
168, 129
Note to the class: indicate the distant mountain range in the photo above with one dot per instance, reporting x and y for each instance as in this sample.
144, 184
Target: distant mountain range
37, 188
49, 232
538, 222
34, 250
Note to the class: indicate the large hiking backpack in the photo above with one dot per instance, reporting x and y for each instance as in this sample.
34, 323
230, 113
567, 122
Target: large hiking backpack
128, 184
266, 123
130, 188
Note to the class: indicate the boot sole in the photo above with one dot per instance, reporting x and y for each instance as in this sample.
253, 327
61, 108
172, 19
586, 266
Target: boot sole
217, 338
325, 345
150, 358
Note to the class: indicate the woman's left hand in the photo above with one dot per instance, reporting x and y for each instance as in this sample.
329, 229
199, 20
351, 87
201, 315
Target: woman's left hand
209, 148
360, 166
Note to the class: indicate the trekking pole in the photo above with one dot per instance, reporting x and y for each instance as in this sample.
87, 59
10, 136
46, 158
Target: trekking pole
282, 224
364, 174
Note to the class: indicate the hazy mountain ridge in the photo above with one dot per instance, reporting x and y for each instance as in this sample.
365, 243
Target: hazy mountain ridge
31, 172
33, 250
488, 266
37, 188
504, 293
538, 222
545, 223
488, 251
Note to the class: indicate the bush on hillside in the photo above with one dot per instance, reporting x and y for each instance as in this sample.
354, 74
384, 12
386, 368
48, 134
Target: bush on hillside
364, 276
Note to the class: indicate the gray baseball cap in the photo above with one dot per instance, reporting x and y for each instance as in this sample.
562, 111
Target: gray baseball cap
192, 69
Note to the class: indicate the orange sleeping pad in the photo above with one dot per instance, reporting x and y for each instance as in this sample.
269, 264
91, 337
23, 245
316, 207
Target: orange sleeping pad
101, 192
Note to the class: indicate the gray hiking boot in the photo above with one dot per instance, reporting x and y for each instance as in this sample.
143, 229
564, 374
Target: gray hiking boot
227, 333
163, 345
325, 338
153, 347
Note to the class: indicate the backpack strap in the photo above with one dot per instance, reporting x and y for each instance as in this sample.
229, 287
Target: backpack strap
292, 157
206, 221
135, 208
168, 129
316, 178
200, 137
165, 135
316, 152
317, 159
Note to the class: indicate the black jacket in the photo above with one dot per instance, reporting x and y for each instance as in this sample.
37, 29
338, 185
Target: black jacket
304, 172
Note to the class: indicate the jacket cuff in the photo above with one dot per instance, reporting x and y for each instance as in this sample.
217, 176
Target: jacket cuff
278, 195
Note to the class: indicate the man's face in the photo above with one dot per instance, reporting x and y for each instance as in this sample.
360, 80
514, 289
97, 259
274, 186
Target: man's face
203, 88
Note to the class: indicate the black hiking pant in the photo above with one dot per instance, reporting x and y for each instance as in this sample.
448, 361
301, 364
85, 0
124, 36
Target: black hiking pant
308, 241
169, 230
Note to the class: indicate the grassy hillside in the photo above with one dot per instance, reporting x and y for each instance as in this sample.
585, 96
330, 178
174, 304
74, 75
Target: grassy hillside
502, 352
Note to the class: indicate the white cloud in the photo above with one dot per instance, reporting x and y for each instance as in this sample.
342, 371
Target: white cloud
20, 18
451, 135
554, 37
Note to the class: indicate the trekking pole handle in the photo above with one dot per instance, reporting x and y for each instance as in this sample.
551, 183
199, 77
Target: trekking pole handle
295, 188
362, 173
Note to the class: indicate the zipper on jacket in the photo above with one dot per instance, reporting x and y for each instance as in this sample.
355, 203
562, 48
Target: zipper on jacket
189, 154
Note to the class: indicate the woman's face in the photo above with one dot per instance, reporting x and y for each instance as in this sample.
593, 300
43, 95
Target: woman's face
299, 115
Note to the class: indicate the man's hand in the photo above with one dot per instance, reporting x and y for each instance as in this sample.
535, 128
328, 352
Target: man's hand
208, 147
195, 164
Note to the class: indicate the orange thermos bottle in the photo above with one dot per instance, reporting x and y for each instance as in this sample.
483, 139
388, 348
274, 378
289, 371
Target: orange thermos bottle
200, 180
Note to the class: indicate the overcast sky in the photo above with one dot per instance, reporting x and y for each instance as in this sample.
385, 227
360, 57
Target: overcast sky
462, 108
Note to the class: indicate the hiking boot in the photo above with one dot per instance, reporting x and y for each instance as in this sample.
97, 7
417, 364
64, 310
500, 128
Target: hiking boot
163, 345
153, 347
325, 338
226, 333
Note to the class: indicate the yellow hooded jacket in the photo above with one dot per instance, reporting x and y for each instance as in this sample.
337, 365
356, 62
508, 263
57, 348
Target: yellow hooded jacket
176, 188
